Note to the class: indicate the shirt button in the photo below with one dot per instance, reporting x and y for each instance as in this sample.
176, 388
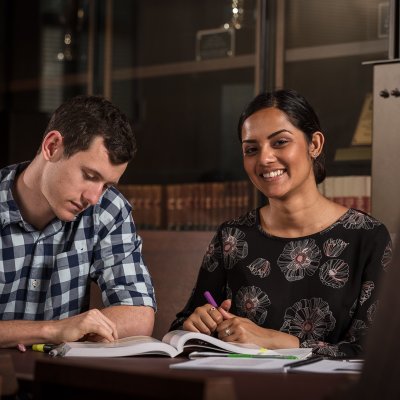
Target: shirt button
35, 283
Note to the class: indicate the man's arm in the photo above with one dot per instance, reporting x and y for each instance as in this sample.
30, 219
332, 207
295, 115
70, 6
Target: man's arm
131, 320
92, 322
108, 325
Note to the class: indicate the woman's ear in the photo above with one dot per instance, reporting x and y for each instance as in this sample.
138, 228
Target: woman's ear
317, 144
52, 146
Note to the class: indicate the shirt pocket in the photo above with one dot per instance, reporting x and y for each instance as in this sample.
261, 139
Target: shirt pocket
71, 266
67, 293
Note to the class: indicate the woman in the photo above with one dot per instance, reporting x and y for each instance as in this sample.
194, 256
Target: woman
302, 270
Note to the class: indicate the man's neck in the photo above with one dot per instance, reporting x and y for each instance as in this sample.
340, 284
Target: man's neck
33, 206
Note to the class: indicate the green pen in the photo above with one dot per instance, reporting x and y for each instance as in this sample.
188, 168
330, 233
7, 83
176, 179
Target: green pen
201, 354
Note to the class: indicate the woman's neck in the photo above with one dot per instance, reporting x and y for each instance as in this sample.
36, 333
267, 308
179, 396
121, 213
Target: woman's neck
300, 217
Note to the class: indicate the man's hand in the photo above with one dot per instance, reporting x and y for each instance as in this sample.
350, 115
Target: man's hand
91, 325
94, 325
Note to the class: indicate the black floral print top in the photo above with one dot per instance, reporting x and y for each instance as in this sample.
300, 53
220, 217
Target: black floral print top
320, 288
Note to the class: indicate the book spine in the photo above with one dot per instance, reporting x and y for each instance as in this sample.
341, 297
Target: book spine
188, 206
349, 191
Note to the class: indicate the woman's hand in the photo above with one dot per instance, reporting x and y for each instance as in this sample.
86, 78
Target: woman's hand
204, 319
242, 330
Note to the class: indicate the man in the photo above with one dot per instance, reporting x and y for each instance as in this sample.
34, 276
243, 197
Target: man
63, 225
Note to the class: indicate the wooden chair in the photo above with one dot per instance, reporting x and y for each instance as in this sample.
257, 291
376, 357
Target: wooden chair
173, 259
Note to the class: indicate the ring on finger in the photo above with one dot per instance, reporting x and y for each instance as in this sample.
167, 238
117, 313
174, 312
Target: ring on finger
228, 332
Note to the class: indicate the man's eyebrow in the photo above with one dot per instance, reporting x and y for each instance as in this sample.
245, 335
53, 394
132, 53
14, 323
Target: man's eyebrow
270, 136
99, 175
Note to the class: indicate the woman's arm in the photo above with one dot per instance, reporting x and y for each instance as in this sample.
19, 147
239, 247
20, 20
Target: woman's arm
196, 314
375, 258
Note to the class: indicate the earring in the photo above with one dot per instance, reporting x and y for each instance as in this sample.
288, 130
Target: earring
315, 155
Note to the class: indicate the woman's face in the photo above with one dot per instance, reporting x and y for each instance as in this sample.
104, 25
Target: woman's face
276, 154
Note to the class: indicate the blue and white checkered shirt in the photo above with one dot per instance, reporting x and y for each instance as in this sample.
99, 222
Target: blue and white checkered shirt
46, 274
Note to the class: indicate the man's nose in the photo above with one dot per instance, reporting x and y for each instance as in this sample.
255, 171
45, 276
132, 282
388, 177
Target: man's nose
93, 193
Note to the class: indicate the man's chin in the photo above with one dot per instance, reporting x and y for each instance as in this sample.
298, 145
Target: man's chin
67, 216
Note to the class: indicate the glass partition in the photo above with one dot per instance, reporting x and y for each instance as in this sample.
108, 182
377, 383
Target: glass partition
183, 70
325, 44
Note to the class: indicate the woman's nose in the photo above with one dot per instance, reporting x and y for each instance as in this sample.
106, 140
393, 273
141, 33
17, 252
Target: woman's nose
267, 155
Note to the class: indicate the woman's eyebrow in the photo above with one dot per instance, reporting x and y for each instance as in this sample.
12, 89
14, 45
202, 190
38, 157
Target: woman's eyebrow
271, 135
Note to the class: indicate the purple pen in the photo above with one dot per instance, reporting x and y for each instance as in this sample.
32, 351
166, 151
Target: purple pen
210, 299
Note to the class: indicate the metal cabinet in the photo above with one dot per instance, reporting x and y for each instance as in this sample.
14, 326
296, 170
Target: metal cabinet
386, 145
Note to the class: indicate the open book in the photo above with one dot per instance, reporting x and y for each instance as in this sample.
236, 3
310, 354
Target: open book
172, 344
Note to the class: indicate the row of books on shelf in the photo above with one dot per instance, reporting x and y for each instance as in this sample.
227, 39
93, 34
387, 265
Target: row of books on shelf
189, 206
350, 191
203, 206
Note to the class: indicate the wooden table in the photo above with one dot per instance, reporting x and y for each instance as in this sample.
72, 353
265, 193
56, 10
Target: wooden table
151, 378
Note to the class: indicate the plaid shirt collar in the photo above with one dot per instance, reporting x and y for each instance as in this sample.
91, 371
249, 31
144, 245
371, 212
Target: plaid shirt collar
9, 210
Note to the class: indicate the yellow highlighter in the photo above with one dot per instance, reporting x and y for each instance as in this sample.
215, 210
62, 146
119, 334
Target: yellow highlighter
43, 348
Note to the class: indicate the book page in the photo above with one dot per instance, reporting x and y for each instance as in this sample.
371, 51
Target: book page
184, 340
129, 346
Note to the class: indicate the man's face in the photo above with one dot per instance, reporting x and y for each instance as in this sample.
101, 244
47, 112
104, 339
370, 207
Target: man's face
70, 185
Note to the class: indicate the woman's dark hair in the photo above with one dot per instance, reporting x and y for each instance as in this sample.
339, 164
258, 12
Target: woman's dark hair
82, 118
298, 111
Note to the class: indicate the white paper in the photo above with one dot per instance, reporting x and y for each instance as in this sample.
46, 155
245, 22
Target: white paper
331, 367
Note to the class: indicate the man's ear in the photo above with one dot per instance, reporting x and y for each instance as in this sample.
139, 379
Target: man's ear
53, 146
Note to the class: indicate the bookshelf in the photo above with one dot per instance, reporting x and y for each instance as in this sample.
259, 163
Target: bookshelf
204, 206
349, 191
190, 206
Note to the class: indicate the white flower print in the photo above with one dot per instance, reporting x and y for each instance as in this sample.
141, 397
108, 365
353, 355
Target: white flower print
248, 219
354, 219
353, 309
366, 289
252, 302
387, 257
299, 258
213, 253
309, 319
334, 273
334, 247
323, 348
371, 312
260, 267
357, 329
234, 247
